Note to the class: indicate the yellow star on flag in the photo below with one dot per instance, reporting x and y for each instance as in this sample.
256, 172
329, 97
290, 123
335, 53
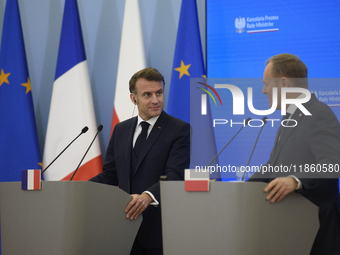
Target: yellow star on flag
27, 85
4, 77
183, 69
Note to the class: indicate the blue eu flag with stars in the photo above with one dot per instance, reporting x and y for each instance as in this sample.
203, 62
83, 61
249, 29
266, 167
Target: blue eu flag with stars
188, 64
18, 133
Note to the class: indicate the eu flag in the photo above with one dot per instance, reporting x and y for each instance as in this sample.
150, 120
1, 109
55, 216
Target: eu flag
188, 63
18, 133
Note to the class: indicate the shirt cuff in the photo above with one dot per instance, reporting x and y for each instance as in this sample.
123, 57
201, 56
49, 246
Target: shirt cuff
155, 202
299, 184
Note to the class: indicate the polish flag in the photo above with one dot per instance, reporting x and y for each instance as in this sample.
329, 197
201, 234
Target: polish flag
71, 108
131, 60
196, 180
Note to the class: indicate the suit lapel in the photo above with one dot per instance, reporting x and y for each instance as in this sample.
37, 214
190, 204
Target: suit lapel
298, 117
128, 146
153, 136
275, 143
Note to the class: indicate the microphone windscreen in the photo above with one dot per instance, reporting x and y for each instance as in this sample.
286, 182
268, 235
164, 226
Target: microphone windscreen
84, 130
100, 127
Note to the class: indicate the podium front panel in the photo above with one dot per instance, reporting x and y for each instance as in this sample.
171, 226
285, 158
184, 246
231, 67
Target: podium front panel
235, 218
66, 218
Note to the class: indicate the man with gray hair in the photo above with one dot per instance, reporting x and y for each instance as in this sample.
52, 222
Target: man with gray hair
315, 140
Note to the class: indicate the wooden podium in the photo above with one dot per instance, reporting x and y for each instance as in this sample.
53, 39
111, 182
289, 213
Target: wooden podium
65, 218
234, 218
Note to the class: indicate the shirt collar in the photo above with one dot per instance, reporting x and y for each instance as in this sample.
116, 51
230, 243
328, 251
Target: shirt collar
151, 121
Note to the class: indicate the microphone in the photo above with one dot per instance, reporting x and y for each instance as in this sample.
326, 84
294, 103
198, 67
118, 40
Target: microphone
251, 154
246, 123
100, 127
83, 131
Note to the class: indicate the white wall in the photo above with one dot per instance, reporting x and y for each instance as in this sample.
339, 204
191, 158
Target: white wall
101, 22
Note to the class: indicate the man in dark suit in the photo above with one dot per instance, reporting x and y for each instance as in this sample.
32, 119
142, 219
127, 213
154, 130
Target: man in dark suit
142, 149
313, 142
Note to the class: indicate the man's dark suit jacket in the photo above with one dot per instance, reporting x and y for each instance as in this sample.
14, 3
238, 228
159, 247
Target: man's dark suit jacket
165, 152
315, 140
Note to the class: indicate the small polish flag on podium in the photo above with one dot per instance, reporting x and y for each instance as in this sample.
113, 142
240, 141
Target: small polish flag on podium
31, 179
196, 180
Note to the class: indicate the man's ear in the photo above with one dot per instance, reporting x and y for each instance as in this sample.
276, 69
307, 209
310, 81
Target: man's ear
133, 98
286, 82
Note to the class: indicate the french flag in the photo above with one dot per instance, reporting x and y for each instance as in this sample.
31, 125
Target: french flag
71, 107
31, 179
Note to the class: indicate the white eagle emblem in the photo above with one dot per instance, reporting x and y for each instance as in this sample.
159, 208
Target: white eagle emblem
240, 23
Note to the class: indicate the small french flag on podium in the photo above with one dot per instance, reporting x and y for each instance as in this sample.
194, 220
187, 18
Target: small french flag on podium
31, 179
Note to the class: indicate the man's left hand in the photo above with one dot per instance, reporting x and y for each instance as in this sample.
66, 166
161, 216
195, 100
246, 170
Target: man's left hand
279, 188
137, 205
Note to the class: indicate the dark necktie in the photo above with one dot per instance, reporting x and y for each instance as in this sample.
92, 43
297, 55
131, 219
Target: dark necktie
281, 129
141, 138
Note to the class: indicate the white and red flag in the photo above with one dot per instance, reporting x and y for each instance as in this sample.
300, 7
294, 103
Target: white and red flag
196, 179
131, 60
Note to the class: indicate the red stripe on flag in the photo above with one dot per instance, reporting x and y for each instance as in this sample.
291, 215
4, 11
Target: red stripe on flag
36, 183
197, 185
88, 170
115, 120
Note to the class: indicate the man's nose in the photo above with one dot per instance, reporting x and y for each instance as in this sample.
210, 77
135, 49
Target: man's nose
154, 99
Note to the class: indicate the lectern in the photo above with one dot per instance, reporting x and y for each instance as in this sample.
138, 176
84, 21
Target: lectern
234, 218
65, 218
